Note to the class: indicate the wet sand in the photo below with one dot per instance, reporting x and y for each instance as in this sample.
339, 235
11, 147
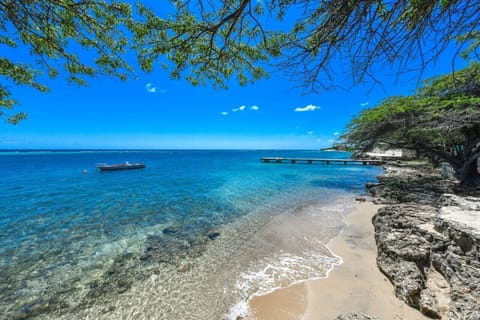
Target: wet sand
357, 285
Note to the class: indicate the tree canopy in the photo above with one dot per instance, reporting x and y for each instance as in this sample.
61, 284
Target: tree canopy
441, 121
74, 39
213, 41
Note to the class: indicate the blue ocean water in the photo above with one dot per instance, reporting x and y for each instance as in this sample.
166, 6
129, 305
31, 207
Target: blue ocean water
191, 227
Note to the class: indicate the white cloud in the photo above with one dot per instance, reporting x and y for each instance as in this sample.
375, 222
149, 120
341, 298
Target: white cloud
336, 133
224, 113
310, 107
364, 104
150, 88
241, 108
310, 133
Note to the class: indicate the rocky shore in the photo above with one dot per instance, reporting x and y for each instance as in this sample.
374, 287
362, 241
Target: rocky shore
428, 240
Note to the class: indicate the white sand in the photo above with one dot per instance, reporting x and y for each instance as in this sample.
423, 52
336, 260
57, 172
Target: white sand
357, 285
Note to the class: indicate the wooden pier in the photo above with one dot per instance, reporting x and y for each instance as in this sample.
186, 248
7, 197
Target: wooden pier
325, 161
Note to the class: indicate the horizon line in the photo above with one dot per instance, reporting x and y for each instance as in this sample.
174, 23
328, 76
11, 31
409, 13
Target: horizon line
156, 149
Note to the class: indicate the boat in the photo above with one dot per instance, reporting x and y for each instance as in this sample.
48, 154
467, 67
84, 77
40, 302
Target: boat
120, 166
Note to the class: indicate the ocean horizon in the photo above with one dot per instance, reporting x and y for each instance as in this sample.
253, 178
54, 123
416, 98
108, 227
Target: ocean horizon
191, 236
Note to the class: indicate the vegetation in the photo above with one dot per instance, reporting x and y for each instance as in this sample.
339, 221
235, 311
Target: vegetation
74, 39
441, 121
213, 41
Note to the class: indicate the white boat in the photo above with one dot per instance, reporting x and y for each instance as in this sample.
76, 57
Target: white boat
120, 166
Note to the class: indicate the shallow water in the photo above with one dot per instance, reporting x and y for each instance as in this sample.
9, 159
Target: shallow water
192, 236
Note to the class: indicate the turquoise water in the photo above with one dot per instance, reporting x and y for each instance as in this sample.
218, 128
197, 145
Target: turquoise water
191, 236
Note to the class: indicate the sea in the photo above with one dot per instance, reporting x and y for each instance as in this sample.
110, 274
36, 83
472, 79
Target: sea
193, 235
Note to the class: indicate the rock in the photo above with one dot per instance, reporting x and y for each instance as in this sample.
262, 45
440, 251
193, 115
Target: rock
213, 235
169, 230
20, 315
428, 241
468, 203
123, 285
356, 316
407, 183
371, 185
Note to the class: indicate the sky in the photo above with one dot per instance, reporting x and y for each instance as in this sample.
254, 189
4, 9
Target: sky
152, 111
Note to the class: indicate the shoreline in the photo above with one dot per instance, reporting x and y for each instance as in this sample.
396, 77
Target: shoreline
354, 286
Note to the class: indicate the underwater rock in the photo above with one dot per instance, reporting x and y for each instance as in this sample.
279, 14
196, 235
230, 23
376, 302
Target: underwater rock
169, 230
213, 235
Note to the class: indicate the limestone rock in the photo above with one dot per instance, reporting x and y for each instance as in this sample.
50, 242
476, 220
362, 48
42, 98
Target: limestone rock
356, 316
428, 241
468, 203
403, 184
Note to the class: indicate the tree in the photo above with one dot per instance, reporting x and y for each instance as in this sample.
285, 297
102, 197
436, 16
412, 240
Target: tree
213, 41
441, 121
75, 39
210, 40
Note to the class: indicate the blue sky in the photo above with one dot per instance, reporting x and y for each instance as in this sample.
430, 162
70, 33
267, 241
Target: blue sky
154, 112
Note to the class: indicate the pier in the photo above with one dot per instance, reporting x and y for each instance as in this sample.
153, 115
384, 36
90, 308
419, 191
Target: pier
324, 161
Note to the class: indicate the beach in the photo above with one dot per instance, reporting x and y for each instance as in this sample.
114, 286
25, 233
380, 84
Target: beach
356, 285
417, 248
191, 236
214, 239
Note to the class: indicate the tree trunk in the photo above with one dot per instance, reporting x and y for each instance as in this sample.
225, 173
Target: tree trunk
468, 174
468, 171
473, 176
